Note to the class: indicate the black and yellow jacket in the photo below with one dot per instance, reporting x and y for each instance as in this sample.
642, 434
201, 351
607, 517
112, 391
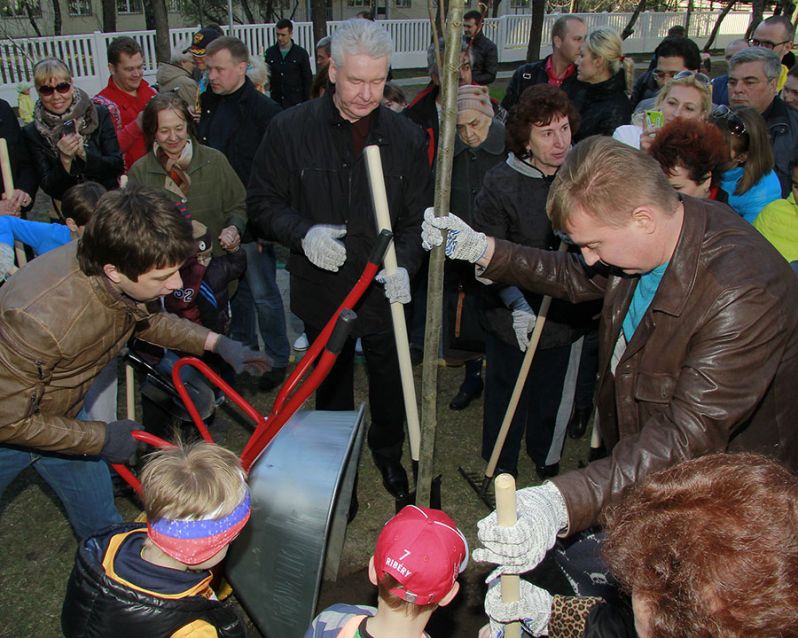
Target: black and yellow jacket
99, 602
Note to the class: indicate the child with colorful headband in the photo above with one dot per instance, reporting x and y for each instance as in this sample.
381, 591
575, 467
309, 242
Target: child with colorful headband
419, 555
154, 580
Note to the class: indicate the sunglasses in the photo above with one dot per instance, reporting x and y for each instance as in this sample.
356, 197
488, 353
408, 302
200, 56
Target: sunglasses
46, 91
699, 77
765, 44
733, 122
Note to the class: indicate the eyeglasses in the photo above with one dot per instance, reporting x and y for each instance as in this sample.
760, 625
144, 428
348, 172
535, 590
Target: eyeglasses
62, 87
766, 44
733, 122
699, 77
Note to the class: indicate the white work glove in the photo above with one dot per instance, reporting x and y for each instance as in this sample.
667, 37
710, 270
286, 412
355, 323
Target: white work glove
518, 549
533, 609
462, 241
523, 322
322, 247
397, 285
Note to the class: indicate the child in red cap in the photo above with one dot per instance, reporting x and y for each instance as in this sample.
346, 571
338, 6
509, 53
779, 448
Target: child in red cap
419, 554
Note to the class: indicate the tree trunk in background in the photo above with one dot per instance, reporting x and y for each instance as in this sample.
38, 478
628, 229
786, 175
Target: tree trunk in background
318, 10
687, 17
149, 14
757, 10
494, 11
109, 16
629, 29
163, 48
56, 18
716, 28
248, 12
536, 30
32, 19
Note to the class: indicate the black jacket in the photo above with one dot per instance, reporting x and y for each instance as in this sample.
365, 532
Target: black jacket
254, 112
512, 206
645, 87
782, 124
99, 606
305, 174
603, 107
535, 73
484, 59
291, 76
103, 162
22, 168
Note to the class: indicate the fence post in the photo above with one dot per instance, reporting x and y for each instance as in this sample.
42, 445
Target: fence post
501, 37
100, 57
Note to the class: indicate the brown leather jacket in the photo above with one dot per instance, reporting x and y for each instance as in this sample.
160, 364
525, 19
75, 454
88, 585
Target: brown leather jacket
58, 328
712, 366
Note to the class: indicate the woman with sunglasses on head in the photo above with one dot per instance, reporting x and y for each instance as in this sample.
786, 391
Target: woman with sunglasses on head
692, 154
688, 96
748, 179
71, 139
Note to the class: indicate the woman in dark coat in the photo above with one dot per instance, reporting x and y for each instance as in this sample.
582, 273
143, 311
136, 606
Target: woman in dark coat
604, 106
71, 139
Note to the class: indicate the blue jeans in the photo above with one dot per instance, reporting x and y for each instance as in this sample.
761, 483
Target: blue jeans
83, 484
258, 289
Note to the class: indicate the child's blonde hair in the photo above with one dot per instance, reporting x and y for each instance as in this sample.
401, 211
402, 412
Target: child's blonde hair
197, 480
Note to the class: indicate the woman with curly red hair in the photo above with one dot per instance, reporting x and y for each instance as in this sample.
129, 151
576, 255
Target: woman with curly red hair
691, 154
705, 549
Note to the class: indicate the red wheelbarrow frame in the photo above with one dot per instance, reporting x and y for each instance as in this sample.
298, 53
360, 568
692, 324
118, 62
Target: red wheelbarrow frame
292, 395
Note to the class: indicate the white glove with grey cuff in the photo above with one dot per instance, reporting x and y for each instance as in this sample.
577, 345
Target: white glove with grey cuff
322, 246
462, 241
523, 316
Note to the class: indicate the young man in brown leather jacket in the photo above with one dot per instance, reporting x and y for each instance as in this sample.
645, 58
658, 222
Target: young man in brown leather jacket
698, 341
68, 313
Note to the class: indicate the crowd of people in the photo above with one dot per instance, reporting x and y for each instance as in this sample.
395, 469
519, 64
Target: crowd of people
647, 228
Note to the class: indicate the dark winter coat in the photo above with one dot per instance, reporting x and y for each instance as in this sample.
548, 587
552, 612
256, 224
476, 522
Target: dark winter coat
98, 605
254, 112
103, 163
603, 107
512, 206
711, 367
782, 124
291, 76
484, 59
305, 174
22, 168
533, 73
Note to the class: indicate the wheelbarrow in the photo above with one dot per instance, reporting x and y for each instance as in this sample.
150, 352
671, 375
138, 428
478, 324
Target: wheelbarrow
301, 469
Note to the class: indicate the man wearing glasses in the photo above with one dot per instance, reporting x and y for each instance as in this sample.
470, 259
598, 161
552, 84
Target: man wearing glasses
672, 55
753, 79
775, 33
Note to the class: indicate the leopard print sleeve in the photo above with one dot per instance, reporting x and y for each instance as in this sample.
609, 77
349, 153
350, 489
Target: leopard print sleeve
569, 615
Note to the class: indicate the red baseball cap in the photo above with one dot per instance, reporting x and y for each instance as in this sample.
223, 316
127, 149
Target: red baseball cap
423, 550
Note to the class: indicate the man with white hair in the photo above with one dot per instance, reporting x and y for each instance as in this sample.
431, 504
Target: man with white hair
309, 191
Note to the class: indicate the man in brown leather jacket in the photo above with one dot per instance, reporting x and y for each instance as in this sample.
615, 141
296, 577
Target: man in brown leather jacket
698, 337
68, 313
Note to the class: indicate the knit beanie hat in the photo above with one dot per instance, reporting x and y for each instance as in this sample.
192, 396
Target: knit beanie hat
472, 97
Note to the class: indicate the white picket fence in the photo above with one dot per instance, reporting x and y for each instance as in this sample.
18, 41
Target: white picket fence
86, 54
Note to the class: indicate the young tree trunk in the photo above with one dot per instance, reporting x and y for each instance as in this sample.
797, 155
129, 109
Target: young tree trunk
57, 21
716, 28
32, 20
536, 30
757, 10
443, 181
149, 14
248, 12
162, 46
318, 10
629, 29
109, 16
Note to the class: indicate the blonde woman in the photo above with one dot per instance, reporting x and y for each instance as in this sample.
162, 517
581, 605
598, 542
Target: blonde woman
604, 106
688, 96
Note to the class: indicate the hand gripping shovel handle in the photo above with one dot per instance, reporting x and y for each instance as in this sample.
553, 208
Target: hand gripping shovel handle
520, 381
506, 517
382, 213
